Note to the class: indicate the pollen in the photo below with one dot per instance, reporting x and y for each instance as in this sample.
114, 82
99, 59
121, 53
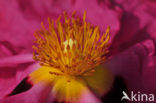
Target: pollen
71, 45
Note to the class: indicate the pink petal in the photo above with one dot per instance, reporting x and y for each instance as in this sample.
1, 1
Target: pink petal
7, 49
88, 97
147, 16
40, 93
149, 74
24, 72
14, 26
12, 72
137, 24
7, 80
15, 60
129, 64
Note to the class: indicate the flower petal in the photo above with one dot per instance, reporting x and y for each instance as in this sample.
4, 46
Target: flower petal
12, 72
129, 64
23, 71
138, 23
88, 97
38, 94
7, 80
149, 75
14, 60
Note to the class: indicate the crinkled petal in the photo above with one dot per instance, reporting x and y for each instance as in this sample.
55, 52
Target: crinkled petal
13, 70
129, 64
138, 23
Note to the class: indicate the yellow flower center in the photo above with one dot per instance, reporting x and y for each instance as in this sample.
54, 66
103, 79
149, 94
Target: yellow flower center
72, 46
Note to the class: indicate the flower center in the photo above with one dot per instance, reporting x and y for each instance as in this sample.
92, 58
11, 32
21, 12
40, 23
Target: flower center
68, 44
72, 46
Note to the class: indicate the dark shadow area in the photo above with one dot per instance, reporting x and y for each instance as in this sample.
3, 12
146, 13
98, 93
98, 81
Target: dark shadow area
128, 28
129, 34
22, 87
115, 94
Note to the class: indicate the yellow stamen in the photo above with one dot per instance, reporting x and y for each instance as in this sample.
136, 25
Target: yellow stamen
71, 46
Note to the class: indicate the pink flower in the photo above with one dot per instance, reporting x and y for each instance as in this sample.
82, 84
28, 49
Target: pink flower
132, 57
